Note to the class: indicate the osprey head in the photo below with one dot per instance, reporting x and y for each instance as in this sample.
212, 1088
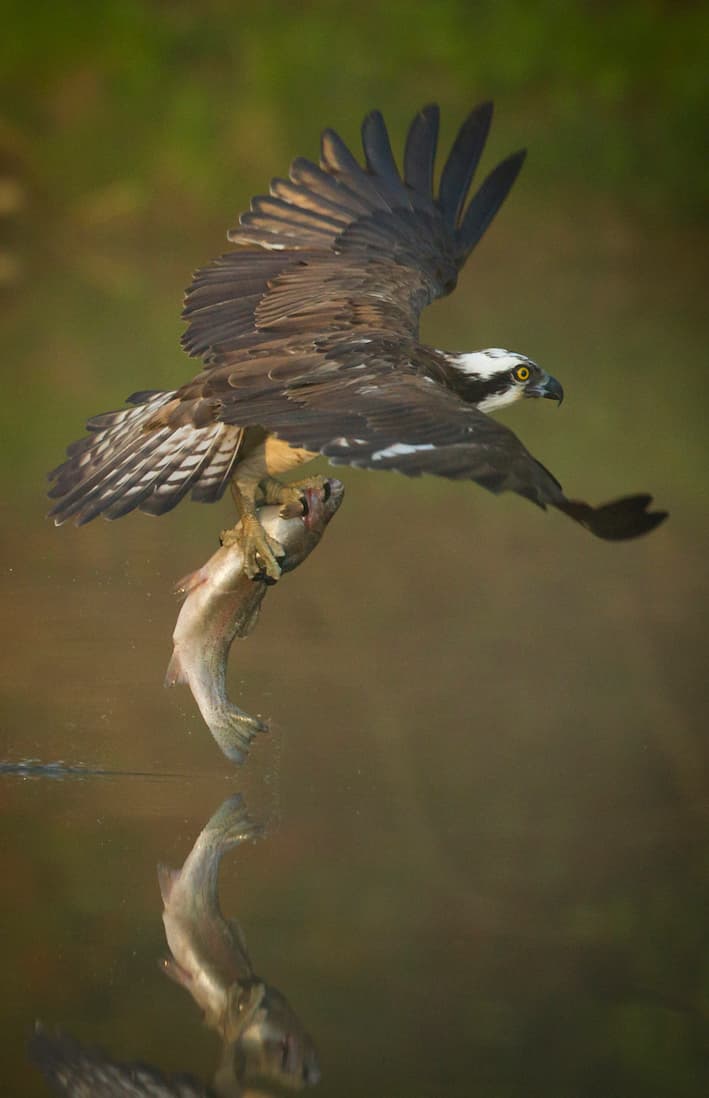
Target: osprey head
493, 378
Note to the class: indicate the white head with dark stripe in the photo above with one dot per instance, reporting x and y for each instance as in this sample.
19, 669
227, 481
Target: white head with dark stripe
495, 377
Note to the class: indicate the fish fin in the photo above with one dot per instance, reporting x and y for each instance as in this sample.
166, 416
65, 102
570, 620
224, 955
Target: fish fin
167, 879
231, 824
243, 1006
247, 626
234, 730
240, 940
190, 581
175, 672
180, 975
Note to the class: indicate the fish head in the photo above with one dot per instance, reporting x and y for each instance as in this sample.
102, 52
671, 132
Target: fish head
321, 502
299, 534
275, 1045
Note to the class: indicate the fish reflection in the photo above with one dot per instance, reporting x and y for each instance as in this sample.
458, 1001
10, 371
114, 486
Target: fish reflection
263, 1042
222, 603
261, 1035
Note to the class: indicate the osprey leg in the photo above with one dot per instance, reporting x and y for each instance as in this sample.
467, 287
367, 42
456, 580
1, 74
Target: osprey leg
259, 548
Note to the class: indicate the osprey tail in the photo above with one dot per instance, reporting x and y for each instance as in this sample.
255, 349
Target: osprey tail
138, 458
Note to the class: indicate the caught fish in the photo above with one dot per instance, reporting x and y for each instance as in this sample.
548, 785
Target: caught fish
262, 1036
222, 603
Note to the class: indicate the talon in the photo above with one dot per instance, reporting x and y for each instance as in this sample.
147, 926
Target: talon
294, 510
293, 497
230, 537
320, 482
260, 550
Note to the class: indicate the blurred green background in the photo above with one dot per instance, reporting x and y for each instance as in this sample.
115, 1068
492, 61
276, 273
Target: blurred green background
132, 134
490, 757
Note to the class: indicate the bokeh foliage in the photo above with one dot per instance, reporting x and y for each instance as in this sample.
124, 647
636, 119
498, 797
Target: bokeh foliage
144, 91
132, 134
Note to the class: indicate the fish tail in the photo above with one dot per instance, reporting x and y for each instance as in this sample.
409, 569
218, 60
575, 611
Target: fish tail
231, 824
234, 730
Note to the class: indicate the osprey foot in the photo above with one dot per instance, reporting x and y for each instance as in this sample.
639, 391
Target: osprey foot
261, 551
290, 496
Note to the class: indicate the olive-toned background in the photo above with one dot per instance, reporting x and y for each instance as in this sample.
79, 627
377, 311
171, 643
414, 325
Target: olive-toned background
487, 780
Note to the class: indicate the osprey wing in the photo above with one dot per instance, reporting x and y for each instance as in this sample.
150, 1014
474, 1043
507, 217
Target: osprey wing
339, 246
383, 415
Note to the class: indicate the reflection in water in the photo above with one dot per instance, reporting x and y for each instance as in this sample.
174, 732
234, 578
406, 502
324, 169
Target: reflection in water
262, 1036
263, 1041
28, 769
71, 1068
222, 603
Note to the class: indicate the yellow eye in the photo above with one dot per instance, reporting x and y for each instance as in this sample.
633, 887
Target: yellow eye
522, 373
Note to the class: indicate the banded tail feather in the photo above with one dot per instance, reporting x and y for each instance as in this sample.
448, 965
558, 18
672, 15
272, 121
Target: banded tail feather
131, 459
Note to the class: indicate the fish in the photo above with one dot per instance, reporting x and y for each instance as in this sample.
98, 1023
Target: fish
261, 1034
222, 603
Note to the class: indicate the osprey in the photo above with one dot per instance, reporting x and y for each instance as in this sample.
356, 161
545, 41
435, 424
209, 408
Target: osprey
309, 335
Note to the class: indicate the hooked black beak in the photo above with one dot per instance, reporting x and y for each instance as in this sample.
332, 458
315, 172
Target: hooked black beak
548, 387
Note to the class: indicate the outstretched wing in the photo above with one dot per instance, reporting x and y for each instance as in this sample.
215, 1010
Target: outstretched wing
310, 329
340, 247
385, 415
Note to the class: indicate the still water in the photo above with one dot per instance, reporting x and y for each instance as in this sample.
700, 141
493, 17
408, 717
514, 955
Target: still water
476, 858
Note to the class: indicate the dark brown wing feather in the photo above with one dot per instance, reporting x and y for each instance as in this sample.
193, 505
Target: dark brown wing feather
462, 163
355, 246
420, 151
358, 404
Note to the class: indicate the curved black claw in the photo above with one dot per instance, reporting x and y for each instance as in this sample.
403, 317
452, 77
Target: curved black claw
618, 520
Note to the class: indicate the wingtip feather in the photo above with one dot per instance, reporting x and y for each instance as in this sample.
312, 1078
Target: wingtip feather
487, 201
420, 150
462, 162
619, 520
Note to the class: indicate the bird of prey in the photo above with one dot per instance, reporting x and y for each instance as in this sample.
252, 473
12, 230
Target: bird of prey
308, 331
